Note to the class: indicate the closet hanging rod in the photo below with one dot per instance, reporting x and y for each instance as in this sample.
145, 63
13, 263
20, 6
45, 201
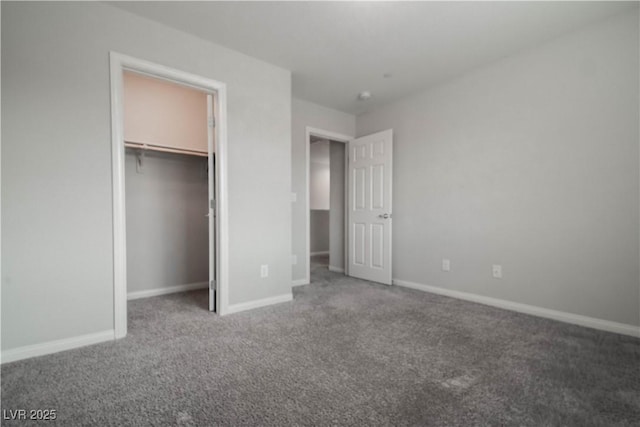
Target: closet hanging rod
141, 146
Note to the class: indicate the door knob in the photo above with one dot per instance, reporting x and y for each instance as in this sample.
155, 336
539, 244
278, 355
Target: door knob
385, 216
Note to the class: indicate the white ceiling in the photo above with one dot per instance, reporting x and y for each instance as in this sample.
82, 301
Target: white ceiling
337, 49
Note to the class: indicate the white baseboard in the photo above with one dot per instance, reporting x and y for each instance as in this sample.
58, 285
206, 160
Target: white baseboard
319, 253
562, 316
164, 291
300, 282
336, 269
236, 308
50, 347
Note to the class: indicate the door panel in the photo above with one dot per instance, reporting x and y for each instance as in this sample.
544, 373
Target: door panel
359, 244
370, 208
377, 187
377, 246
359, 192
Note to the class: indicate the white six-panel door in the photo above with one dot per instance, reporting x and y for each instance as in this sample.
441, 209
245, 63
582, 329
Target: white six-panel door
370, 206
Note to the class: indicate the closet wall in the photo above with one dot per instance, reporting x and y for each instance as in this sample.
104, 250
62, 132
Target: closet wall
167, 193
167, 231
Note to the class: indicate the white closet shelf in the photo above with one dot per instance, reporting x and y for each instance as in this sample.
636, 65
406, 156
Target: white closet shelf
141, 146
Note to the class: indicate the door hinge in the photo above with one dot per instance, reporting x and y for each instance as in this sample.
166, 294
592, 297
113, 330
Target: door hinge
212, 285
212, 204
212, 122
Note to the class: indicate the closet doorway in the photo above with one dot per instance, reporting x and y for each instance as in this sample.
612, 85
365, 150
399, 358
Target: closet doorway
326, 201
169, 183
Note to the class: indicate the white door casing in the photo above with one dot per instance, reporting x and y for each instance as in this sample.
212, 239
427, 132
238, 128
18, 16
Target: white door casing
118, 64
370, 207
212, 202
332, 136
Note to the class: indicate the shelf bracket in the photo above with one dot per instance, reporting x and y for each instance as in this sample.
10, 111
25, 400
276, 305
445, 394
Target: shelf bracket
139, 160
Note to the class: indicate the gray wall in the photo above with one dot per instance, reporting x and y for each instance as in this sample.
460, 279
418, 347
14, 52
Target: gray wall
319, 230
336, 213
57, 264
319, 175
167, 230
305, 114
531, 163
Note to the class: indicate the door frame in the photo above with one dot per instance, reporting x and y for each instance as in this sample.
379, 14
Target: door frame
332, 136
118, 64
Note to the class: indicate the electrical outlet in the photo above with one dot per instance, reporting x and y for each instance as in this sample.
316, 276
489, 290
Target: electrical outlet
446, 264
497, 271
264, 270
294, 259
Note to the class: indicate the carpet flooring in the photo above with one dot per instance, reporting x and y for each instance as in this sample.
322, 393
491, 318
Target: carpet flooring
344, 352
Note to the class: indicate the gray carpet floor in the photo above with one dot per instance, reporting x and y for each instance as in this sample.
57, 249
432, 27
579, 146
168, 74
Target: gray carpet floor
344, 352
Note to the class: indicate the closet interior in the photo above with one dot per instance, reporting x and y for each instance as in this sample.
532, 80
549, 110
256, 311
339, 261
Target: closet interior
169, 164
326, 204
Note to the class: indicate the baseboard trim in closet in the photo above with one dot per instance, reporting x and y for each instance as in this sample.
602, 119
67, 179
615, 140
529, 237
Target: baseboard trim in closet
320, 253
164, 291
236, 308
336, 269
